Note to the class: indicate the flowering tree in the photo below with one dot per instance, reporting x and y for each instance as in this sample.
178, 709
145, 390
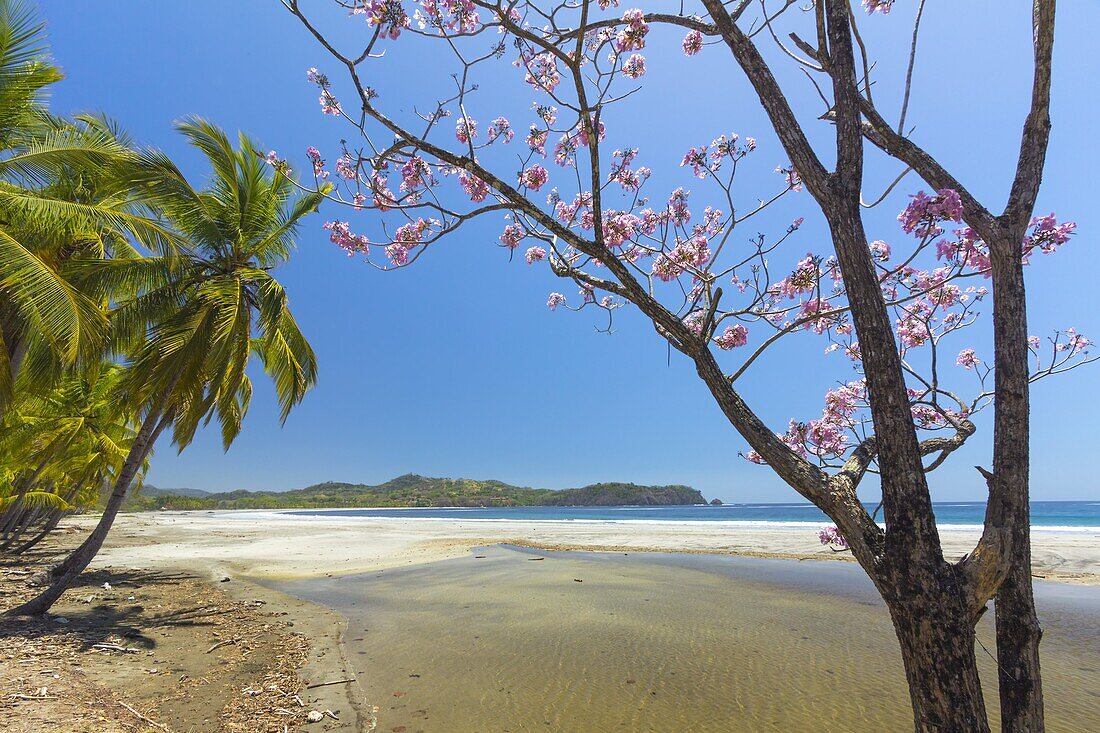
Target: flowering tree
898, 313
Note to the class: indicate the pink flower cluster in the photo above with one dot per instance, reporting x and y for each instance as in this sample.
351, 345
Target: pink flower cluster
924, 213
501, 128
534, 177
474, 187
878, 6
453, 15
709, 158
555, 300
634, 67
388, 15
830, 536
314, 156
340, 234
632, 37
693, 43
512, 235
465, 130
733, 337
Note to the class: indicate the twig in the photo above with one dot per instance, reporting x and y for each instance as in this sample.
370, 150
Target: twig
115, 648
143, 718
221, 644
333, 682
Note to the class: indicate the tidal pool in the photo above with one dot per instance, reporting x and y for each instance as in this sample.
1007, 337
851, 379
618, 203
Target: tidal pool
511, 640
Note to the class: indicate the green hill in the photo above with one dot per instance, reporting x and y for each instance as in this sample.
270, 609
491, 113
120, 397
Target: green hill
411, 490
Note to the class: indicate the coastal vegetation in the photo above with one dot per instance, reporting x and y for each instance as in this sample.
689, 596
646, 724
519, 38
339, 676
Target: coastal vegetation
416, 491
131, 302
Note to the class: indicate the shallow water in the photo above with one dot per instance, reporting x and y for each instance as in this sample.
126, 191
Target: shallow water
659, 643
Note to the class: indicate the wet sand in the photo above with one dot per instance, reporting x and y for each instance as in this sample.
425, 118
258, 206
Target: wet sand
501, 641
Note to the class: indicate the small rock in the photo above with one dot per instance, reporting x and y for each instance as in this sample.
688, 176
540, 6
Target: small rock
61, 619
226, 579
106, 586
315, 716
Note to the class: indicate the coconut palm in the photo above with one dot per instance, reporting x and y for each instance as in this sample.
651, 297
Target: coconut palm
196, 318
61, 448
64, 193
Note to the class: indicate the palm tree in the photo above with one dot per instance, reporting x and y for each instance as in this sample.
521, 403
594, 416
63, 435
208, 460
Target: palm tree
61, 448
64, 193
195, 318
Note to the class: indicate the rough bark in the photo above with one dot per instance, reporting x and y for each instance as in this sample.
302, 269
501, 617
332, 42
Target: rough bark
935, 628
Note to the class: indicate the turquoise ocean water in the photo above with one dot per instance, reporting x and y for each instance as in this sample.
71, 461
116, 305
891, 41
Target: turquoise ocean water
1051, 515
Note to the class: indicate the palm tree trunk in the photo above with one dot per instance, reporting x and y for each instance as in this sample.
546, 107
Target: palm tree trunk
76, 562
50, 526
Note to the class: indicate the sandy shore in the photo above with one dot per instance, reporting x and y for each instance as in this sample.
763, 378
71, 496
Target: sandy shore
278, 546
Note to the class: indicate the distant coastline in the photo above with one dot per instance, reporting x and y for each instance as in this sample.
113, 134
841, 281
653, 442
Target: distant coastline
414, 491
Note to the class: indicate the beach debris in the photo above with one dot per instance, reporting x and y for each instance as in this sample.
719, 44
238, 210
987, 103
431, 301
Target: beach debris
577, 580
226, 579
315, 716
115, 648
60, 620
534, 559
222, 643
143, 718
106, 586
334, 682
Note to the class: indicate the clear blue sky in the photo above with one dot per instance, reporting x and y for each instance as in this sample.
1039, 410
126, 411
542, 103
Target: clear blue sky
456, 368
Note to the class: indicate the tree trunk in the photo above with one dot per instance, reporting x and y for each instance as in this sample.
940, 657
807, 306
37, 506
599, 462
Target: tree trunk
1018, 632
50, 526
936, 633
76, 562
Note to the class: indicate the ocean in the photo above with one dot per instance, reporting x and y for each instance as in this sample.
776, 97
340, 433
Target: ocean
1067, 516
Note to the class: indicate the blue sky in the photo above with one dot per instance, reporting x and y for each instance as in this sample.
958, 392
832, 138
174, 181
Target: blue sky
456, 368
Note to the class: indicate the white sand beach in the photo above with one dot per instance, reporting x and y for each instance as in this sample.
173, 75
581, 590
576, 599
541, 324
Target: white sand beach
265, 544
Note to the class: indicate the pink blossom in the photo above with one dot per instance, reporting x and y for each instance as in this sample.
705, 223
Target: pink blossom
314, 156
474, 187
502, 128
794, 181
632, 37
923, 214
536, 140
415, 173
454, 15
329, 104
634, 67
1074, 343
341, 235
512, 235
693, 43
879, 250
678, 208
555, 300
830, 536
967, 359
465, 130
733, 337
345, 168
542, 71
388, 15
697, 159
534, 177
534, 254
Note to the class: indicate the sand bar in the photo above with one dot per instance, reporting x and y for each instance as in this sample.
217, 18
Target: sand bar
274, 545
